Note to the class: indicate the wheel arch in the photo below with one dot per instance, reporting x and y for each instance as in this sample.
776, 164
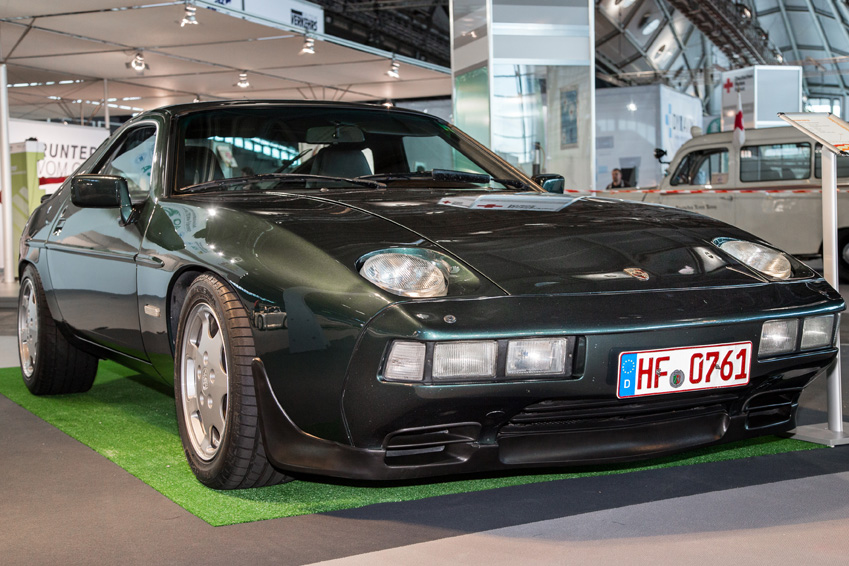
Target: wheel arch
177, 290
46, 285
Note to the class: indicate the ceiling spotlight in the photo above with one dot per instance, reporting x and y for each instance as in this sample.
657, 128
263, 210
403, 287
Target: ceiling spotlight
190, 17
388, 103
778, 56
243, 80
138, 64
309, 46
393, 69
744, 11
197, 98
631, 106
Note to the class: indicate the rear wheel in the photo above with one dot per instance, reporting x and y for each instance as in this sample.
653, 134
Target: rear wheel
214, 390
49, 363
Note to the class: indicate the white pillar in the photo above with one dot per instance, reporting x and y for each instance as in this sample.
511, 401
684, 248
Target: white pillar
9, 267
106, 103
829, 261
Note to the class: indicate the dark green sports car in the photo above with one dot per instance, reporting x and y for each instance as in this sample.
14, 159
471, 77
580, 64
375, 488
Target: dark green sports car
362, 292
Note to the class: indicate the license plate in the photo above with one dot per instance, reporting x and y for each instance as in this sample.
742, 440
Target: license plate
655, 372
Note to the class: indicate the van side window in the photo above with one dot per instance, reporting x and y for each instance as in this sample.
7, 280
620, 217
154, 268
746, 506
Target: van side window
776, 162
842, 163
702, 167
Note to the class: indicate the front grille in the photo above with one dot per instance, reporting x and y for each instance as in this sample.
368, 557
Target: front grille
560, 415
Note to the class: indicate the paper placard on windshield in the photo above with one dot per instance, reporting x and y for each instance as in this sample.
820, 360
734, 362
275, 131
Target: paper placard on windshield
537, 202
824, 127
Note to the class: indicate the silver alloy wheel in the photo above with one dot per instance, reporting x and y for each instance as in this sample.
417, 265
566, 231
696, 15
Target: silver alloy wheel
28, 327
203, 380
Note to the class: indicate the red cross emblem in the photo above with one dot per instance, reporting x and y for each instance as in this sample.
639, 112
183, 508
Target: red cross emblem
491, 206
728, 85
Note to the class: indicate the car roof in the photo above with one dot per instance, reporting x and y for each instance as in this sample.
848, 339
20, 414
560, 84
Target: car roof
779, 134
182, 109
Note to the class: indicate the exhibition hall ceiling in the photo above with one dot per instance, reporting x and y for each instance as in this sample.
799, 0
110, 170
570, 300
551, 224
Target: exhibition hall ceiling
59, 53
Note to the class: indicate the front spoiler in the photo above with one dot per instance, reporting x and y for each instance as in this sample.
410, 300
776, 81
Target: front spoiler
291, 449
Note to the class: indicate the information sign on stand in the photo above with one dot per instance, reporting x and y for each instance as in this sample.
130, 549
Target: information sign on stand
833, 134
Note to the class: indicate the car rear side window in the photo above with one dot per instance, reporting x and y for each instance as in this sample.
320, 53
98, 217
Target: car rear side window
775, 162
702, 167
132, 158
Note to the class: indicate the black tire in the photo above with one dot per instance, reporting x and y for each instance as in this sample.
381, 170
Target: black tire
50, 365
843, 256
212, 318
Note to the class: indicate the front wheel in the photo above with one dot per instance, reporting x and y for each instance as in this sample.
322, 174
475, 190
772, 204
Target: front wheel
214, 390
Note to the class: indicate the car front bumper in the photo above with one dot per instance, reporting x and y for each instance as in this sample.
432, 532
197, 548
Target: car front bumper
403, 431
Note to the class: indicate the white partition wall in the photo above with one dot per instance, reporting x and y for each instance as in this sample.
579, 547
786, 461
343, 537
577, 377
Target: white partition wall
523, 82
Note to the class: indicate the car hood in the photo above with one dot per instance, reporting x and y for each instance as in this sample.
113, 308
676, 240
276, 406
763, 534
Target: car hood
542, 244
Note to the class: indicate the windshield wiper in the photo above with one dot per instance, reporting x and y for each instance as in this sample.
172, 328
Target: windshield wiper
279, 177
447, 175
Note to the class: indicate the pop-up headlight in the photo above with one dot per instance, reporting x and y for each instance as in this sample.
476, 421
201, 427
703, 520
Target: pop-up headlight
768, 261
406, 274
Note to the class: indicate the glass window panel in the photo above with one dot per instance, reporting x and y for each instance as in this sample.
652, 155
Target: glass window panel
776, 162
133, 160
702, 167
842, 164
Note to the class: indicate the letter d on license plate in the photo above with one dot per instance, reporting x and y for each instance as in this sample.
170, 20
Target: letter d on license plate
655, 372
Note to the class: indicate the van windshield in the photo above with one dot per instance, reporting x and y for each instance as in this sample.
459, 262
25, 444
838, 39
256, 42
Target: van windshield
702, 167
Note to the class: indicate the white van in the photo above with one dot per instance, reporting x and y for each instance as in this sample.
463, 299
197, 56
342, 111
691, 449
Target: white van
770, 187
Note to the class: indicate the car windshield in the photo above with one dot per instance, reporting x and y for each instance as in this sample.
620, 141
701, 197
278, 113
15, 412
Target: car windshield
304, 143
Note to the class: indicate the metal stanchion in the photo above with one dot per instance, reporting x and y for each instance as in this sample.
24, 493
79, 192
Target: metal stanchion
830, 433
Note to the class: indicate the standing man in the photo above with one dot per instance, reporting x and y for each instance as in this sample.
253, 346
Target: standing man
618, 182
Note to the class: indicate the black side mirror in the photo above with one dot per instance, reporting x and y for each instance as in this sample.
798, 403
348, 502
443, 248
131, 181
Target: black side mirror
103, 191
550, 182
659, 154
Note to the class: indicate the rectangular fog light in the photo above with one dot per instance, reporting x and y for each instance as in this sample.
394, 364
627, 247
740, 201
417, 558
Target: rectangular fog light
778, 337
405, 362
546, 356
817, 332
464, 360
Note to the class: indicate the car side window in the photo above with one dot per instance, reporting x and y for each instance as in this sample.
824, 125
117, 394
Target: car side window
775, 162
132, 158
702, 167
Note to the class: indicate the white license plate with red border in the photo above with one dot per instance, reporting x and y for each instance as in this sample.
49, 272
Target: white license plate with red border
673, 370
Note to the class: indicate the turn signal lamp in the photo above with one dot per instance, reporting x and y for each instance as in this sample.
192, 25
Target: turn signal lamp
405, 362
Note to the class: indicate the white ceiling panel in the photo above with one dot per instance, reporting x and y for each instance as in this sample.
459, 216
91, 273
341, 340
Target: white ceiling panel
183, 62
16, 8
157, 27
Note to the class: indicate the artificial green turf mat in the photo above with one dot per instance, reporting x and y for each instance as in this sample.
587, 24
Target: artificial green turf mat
131, 420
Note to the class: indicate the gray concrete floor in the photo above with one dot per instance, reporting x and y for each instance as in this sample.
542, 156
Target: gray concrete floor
61, 503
